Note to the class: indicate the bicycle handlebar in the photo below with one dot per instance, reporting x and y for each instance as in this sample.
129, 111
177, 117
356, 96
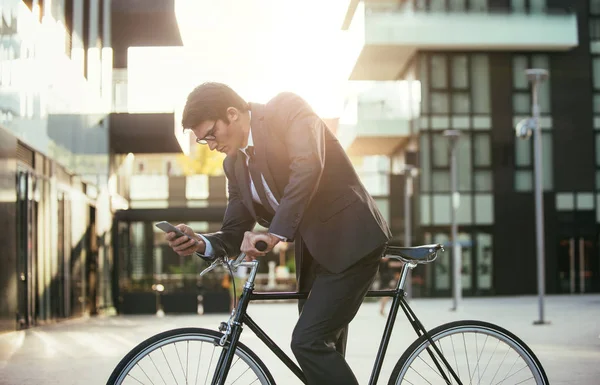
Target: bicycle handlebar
232, 263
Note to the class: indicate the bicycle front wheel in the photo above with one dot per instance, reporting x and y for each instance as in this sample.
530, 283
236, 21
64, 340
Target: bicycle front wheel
478, 353
187, 356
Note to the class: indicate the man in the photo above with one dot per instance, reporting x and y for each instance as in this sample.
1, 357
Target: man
287, 171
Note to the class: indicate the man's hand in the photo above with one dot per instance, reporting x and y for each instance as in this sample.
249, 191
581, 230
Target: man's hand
249, 242
183, 245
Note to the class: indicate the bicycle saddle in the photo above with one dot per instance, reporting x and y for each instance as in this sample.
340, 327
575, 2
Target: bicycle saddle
418, 254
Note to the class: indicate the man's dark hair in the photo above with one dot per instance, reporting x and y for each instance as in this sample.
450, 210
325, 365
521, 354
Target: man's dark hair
209, 101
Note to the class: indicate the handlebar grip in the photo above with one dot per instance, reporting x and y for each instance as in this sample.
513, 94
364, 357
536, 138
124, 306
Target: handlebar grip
261, 245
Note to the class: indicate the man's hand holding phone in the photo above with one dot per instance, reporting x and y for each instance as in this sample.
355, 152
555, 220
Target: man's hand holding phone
185, 245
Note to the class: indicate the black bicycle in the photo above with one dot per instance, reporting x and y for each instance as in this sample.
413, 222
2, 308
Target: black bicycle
461, 352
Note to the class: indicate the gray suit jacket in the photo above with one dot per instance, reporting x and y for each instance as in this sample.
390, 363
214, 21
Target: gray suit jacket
322, 202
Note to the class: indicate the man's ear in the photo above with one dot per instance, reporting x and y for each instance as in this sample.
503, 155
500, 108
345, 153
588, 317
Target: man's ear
233, 114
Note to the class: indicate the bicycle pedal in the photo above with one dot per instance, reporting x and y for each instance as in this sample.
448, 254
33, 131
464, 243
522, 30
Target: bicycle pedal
223, 326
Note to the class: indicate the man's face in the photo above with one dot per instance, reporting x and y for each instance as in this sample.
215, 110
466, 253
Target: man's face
225, 137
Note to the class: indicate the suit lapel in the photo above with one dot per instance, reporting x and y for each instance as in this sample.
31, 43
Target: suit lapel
242, 177
259, 136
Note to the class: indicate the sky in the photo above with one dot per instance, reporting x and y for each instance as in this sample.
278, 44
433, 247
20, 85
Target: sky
258, 47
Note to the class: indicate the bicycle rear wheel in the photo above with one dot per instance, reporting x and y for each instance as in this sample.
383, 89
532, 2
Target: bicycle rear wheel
187, 356
478, 352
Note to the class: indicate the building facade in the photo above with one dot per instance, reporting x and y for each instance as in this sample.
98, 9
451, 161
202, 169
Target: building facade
467, 59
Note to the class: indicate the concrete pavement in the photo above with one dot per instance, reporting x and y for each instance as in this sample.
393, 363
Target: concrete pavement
85, 351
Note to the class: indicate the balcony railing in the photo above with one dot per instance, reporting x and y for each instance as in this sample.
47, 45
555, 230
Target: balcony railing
462, 6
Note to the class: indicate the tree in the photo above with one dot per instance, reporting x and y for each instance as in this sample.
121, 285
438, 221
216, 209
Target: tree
201, 161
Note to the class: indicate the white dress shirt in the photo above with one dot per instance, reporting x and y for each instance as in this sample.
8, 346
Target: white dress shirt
270, 197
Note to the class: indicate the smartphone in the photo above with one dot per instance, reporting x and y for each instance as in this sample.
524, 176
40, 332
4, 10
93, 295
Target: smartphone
168, 228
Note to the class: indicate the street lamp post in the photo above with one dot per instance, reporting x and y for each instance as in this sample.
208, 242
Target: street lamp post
453, 136
536, 76
409, 172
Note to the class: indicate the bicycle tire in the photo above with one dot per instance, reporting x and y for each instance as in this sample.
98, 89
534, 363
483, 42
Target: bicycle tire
160, 340
468, 326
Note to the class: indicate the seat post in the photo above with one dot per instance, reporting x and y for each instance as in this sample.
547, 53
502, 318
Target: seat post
404, 274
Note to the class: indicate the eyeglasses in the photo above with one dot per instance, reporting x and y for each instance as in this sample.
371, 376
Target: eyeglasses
210, 135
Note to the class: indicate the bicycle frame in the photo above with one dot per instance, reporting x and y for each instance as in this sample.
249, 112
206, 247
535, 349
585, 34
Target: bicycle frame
233, 328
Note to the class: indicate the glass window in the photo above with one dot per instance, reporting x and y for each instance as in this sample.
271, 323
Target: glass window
523, 152
521, 103
594, 7
383, 204
478, 5
597, 103
565, 201
547, 169
196, 187
537, 6
424, 79
520, 64
425, 209
519, 6
460, 103
441, 209
457, 5
425, 166
442, 267
463, 162
598, 181
439, 73
482, 150
541, 61
441, 181
484, 209
585, 201
598, 149
437, 5
150, 187
461, 122
480, 84
440, 122
460, 77
594, 29
439, 103
483, 181
441, 151
596, 68
464, 212
485, 261
523, 180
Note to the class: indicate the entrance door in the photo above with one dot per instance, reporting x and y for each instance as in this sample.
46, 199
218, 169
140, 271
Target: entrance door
578, 265
26, 249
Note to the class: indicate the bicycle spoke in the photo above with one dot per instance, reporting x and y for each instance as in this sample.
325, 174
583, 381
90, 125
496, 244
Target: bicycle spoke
455, 361
180, 363
421, 376
513, 375
466, 353
434, 370
158, 371
480, 354
211, 360
499, 366
198, 367
135, 379
187, 361
169, 365
143, 371
470, 357
491, 356
527, 379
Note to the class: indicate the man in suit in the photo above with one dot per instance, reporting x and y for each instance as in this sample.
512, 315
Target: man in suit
287, 171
